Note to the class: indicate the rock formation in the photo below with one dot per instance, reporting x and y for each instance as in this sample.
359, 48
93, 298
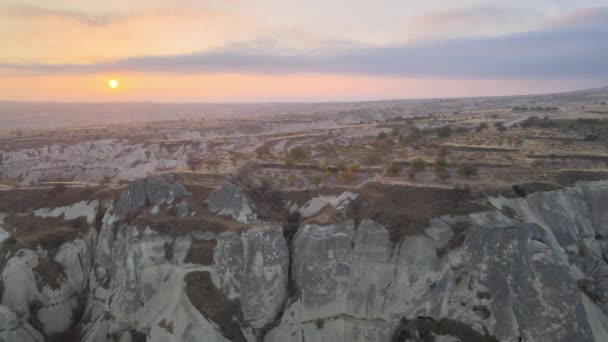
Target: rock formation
528, 269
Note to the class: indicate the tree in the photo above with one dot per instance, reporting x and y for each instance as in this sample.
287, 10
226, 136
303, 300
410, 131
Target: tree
382, 135
418, 165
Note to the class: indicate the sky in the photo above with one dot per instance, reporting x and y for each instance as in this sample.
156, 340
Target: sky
288, 50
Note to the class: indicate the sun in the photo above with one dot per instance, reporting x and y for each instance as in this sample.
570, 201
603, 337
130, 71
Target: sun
113, 84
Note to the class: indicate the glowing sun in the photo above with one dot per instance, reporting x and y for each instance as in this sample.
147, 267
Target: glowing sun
113, 84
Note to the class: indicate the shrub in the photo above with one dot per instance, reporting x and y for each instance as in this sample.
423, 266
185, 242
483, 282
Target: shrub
444, 132
394, 169
316, 180
289, 162
265, 183
341, 165
263, 151
299, 153
414, 135
105, 180
482, 126
468, 169
418, 165
347, 176
372, 158
382, 135
461, 130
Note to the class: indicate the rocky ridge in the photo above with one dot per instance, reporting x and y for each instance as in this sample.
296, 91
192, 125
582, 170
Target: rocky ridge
527, 269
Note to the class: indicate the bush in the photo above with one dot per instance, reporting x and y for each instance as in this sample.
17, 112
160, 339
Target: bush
299, 153
316, 180
265, 183
461, 130
414, 135
341, 165
263, 151
105, 180
482, 126
289, 162
372, 158
418, 165
393, 169
444, 132
468, 169
382, 135
347, 176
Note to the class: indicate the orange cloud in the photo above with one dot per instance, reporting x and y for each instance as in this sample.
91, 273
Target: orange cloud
34, 34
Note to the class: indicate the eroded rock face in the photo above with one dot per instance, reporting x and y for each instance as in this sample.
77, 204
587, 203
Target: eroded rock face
531, 270
14, 329
150, 190
229, 200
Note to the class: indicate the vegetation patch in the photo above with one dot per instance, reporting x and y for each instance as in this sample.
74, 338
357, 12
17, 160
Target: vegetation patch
406, 210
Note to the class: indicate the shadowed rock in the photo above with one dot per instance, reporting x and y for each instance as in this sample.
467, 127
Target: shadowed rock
150, 190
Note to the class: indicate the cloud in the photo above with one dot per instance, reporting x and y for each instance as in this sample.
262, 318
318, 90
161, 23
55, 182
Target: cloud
33, 11
481, 21
585, 16
575, 50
